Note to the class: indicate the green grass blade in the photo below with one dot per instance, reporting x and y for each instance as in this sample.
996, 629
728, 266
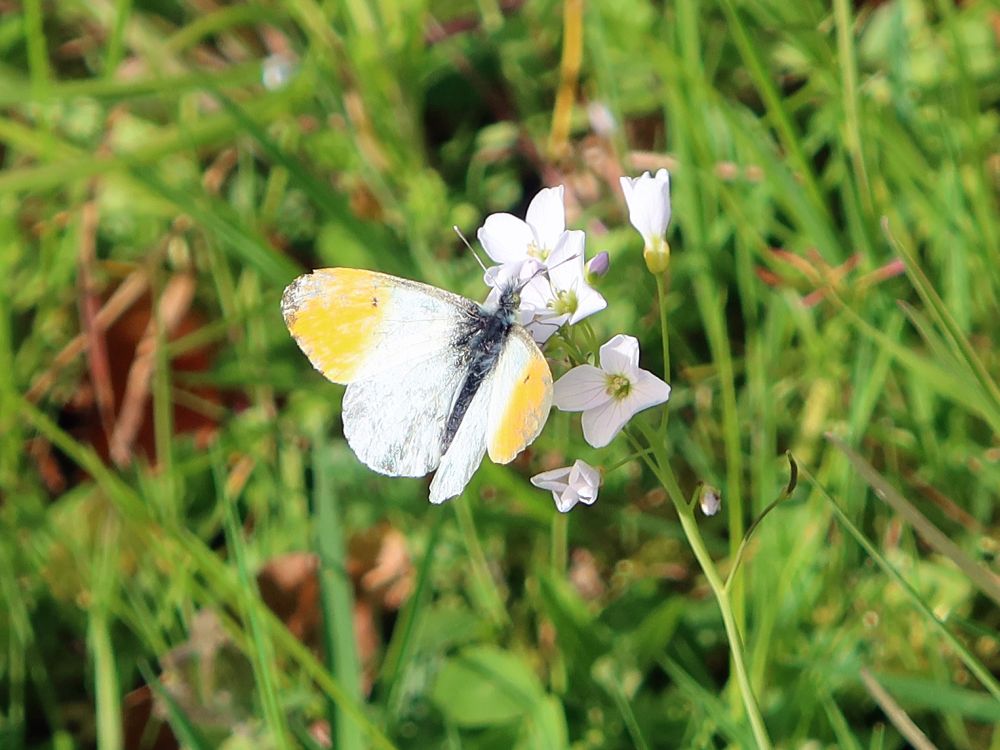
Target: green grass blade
970, 661
337, 596
400, 649
261, 653
983, 579
106, 688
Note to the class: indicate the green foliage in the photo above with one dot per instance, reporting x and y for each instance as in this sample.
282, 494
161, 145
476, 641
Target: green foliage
835, 260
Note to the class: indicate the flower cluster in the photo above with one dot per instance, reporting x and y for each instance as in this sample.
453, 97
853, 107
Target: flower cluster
562, 293
547, 260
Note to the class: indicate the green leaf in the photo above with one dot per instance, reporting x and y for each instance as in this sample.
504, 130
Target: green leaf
484, 686
546, 726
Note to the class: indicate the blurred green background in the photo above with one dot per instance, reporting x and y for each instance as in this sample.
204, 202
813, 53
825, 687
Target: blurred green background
179, 508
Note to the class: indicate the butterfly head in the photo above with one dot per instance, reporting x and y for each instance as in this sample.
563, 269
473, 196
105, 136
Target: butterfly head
508, 281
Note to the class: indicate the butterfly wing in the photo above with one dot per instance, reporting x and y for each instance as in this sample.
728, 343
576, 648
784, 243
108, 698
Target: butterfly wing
353, 323
521, 397
506, 414
465, 453
391, 341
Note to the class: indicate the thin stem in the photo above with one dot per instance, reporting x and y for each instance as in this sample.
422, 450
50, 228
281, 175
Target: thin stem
685, 513
560, 543
690, 526
662, 286
489, 595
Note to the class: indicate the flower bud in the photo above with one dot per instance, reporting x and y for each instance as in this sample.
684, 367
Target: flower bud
598, 266
710, 500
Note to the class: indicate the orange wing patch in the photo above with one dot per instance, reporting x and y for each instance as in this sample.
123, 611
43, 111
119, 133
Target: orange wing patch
335, 315
525, 412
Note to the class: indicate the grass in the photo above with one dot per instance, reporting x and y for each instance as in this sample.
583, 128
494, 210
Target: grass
831, 295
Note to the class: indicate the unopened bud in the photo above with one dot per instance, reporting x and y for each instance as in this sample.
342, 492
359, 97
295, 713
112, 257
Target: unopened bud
598, 266
710, 501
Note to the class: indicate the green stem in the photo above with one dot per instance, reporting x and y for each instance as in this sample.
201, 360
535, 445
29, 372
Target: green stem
685, 513
662, 285
560, 543
489, 595
690, 526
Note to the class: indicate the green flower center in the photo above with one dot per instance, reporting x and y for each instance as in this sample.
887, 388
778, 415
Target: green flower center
538, 253
618, 387
565, 302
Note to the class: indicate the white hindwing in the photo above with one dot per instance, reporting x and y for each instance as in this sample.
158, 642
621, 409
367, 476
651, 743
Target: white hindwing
467, 448
396, 410
395, 421
507, 410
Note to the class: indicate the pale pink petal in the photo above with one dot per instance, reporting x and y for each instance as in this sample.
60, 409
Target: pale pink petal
491, 274
620, 355
601, 424
586, 480
648, 200
626, 183
584, 387
566, 500
570, 485
537, 293
505, 237
555, 480
566, 261
492, 299
542, 329
588, 302
547, 216
647, 390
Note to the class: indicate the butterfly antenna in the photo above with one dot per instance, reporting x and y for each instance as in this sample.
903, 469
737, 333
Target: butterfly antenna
574, 256
462, 237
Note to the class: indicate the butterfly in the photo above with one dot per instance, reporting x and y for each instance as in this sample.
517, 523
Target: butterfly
434, 380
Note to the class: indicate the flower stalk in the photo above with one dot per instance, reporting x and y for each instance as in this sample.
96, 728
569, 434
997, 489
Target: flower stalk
660, 466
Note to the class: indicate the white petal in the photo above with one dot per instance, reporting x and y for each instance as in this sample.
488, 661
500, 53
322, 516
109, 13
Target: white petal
620, 355
566, 499
626, 183
584, 387
647, 390
547, 216
660, 198
588, 302
515, 273
491, 274
537, 293
566, 261
542, 330
492, 299
505, 237
600, 425
554, 480
648, 201
586, 480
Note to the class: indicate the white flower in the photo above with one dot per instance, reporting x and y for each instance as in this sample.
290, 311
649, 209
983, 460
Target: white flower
507, 238
608, 396
570, 485
648, 200
564, 296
